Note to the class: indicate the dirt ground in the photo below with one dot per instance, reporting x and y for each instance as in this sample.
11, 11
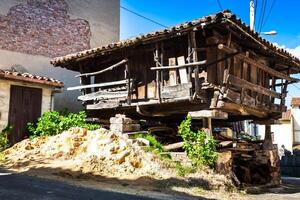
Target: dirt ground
105, 160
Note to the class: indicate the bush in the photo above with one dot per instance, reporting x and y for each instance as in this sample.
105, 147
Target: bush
53, 123
4, 142
199, 148
154, 144
184, 170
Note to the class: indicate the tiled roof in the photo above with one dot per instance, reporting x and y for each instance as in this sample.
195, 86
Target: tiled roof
286, 116
295, 101
13, 75
221, 17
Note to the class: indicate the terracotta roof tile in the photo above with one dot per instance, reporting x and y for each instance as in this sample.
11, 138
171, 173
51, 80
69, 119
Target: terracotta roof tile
295, 101
27, 77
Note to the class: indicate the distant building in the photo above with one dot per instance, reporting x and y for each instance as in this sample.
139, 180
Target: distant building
23, 98
34, 31
286, 133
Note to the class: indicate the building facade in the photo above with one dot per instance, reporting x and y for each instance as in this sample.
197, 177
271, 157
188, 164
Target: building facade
287, 133
34, 31
23, 98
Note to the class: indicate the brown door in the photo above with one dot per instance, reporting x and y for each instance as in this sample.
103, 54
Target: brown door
25, 106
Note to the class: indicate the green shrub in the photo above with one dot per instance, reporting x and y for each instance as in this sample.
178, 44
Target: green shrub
53, 123
154, 144
4, 142
184, 170
199, 148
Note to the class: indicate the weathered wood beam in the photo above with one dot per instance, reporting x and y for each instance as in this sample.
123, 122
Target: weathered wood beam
174, 91
156, 57
193, 64
242, 109
214, 114
257, 64
128, 84
98, 85
195, 59
173, 146
103, 95
103, 105
241, 83
104, 70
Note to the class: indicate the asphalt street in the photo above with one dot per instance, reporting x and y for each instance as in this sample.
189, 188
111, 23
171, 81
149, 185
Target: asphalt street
22, 187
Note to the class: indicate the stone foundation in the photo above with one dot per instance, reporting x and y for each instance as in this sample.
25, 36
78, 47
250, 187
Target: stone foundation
122, 124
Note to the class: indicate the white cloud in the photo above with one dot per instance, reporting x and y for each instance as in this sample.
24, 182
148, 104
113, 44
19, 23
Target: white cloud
295, 51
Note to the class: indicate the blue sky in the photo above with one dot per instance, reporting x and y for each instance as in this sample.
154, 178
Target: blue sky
284, 18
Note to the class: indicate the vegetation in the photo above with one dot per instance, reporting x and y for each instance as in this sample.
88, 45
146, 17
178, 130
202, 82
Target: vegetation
200, 148
53, 123
247, 137
184, 170
4, 142
155, 146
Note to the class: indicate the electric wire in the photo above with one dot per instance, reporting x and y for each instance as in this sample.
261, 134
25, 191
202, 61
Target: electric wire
270, 11
142, 16
220, 5
262, 14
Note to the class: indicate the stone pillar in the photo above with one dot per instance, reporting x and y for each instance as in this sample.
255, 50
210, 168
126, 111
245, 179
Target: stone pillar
122, 124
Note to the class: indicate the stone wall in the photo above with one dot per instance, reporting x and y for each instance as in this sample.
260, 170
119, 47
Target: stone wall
5, 99
34, 31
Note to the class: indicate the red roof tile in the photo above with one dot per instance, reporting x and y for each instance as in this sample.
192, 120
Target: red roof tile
295, 101
27, 77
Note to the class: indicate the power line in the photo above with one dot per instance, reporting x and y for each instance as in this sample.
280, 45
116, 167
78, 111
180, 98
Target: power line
220, 5
271, 8
262, 15
146, 18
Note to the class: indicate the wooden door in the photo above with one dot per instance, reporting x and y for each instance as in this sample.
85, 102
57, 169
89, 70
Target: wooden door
24, 107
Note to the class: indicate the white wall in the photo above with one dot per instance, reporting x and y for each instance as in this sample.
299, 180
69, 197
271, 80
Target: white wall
283, 134
296, 115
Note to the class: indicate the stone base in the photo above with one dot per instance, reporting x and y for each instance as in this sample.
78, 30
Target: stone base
122, 124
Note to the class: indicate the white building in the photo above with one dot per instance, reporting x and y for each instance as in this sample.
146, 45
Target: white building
286, 133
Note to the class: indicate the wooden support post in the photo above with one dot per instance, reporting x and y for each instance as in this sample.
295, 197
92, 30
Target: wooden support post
157, 74
208, 126
189, 59
195, 59
162, 63
268, 143
127, 76
85, 81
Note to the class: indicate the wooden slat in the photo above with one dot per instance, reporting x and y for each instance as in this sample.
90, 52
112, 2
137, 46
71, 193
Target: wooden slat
182, 71
104, 70
103, 95
237, 82
203, 62
98, 85
181, 90
172, 72
257, 64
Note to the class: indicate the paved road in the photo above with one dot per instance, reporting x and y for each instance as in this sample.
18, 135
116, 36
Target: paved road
289, 190
21, 187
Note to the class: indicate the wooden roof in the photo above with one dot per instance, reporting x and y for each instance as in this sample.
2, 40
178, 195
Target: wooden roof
219, 18
27, 77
